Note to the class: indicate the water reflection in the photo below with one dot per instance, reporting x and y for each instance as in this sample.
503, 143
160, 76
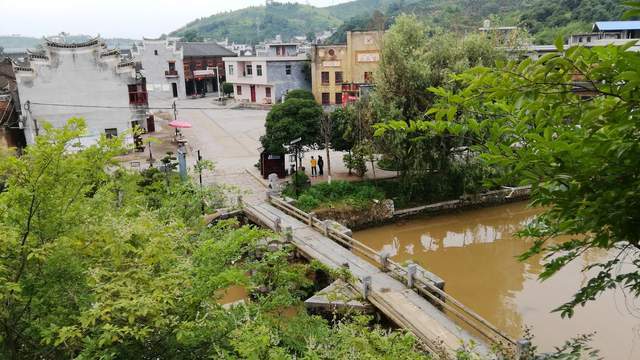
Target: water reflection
475, 252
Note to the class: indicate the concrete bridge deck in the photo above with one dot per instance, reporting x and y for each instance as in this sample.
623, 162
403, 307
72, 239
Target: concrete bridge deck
392, 297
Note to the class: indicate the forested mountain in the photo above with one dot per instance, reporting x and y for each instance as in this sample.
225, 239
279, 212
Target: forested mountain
544, 19
254, 24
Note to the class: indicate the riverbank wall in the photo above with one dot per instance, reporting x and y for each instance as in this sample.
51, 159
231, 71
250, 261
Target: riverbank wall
384, 212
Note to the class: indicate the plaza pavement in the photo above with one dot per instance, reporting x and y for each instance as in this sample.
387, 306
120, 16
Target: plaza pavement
230, 138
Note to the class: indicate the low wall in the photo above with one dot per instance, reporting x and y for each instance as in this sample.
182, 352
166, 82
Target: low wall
489, 198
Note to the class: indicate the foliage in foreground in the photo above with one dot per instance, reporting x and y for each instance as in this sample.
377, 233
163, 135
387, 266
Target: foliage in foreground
567, 125
101, 264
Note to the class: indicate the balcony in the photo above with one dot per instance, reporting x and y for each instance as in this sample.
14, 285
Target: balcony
171, 73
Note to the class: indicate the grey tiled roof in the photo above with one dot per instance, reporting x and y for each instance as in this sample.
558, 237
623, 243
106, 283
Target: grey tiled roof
204, 49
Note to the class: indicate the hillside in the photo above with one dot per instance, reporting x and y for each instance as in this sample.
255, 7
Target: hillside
544, 19
254, 24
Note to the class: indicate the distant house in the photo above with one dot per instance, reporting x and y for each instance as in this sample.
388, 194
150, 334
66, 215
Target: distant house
608, 32
163, 67
267, 78
202, 63
341, 73
81, 80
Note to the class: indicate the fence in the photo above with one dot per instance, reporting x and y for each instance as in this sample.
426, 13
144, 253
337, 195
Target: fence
407, 275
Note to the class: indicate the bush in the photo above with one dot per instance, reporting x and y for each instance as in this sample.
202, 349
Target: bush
356, 162
339, 194
227, 89
299, 94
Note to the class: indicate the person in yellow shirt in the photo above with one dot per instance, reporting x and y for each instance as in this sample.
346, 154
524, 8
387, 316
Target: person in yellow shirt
314, 167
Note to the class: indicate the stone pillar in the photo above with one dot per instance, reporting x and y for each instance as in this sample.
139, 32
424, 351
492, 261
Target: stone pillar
384, 260
366, 286
325, 225
523, 350
239, 200
277, 224
411, 274
311, 215
288, 234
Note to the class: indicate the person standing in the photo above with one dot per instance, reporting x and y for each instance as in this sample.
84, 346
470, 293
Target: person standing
320, 165
314, 167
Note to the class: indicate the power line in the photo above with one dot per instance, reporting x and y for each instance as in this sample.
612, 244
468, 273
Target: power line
121, 107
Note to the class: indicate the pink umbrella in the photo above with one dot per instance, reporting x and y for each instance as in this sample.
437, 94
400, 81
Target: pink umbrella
179, 124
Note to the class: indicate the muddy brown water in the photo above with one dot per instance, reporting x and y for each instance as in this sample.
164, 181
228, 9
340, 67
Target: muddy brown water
475, 253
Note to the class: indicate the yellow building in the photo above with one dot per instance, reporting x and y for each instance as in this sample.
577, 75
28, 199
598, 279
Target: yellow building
338, 72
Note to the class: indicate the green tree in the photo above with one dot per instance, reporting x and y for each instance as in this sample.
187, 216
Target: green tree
292, 119
567, 125
300, 94
414, 59
227, 89
191, 36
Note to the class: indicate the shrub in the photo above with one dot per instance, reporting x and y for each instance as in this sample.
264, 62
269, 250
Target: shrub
299, 94
339, 194
227, 89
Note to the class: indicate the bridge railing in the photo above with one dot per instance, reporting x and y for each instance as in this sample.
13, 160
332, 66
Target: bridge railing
422, 285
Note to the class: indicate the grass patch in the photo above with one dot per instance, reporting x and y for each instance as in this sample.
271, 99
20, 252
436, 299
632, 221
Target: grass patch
339, 194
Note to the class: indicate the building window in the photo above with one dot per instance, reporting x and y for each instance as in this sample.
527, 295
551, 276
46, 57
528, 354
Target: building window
230, 69
326, 99
259, 70
155, 52
249, 70
172, 66
338, 98
287, 69
338, 77
267, 92
368, 77
325, 78
332, 52
137, 94
111, 133
238, 90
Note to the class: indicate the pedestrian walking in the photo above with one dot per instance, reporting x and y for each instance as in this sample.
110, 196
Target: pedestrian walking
320, 165
314, 167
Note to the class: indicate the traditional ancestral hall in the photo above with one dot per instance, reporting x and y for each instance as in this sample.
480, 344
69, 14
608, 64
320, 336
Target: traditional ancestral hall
162, 67
266, 78
81, 80
340, 73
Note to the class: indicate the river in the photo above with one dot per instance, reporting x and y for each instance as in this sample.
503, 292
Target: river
475, 253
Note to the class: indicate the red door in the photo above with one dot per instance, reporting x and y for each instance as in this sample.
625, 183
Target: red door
253, 93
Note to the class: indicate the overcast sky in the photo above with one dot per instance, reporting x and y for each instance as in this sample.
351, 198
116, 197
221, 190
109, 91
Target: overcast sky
114, 18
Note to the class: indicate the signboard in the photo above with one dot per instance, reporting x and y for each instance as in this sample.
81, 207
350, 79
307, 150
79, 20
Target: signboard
331, 63
203, 73
368, 57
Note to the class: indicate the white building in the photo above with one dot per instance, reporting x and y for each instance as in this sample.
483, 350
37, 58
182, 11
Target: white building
81, 80
609, 32
265, 79
162, 66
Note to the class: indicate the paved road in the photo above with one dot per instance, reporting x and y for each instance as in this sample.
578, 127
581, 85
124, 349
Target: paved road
229, 138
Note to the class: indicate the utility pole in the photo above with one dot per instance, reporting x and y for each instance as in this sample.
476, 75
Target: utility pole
201, 190
218, 82
175, 111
